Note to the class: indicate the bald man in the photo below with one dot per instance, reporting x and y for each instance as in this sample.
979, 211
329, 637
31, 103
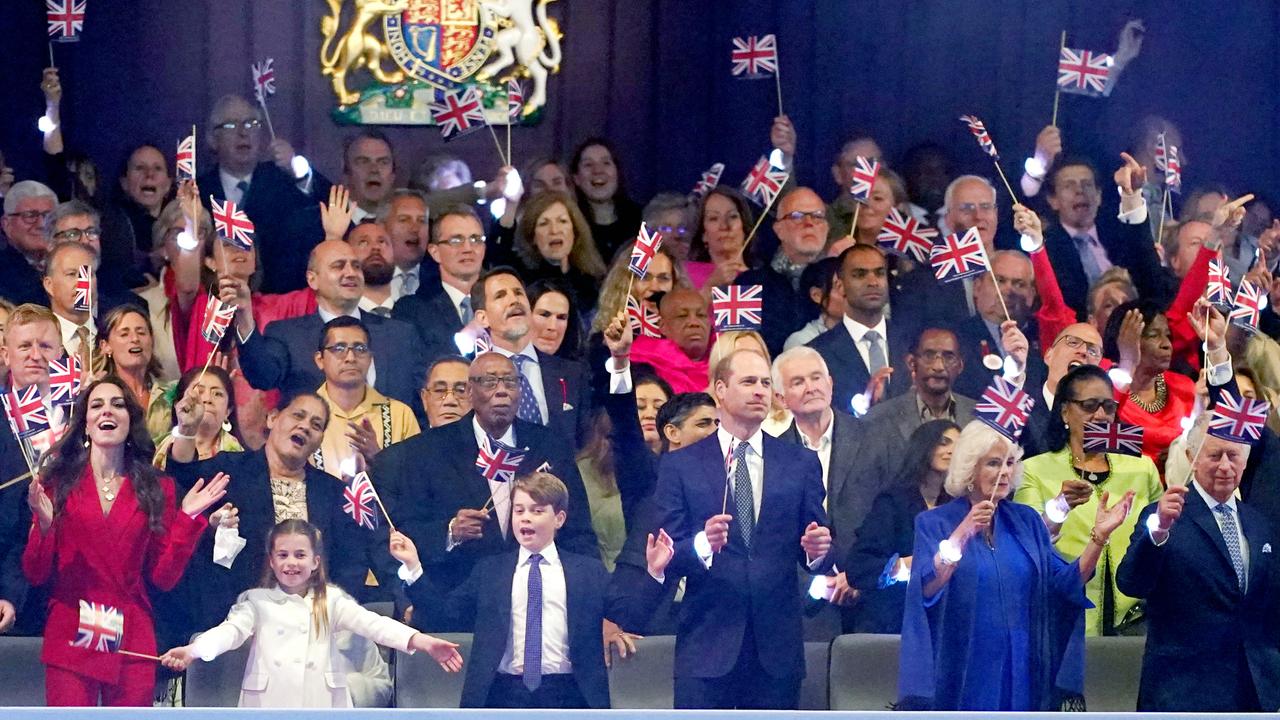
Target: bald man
801, 227
1078, 344
283, 355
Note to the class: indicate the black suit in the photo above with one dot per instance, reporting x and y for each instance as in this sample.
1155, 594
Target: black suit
976, 377
564, 385
427, 478
15, 522
283, 357
286, 221
850, 373
431, 312
921, 300
1126, 245
486, 595
786, 309
1210, 646
21, 283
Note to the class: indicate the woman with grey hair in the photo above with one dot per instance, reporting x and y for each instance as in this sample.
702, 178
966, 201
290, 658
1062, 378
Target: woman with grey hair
994, 616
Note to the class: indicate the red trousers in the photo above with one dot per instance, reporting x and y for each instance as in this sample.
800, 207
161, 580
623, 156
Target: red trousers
64, 688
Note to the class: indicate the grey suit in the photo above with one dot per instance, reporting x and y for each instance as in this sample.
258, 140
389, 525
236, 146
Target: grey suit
893, 420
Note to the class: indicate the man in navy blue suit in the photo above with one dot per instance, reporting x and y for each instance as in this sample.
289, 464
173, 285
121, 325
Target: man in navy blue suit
1206, 565
283, 356
744, 509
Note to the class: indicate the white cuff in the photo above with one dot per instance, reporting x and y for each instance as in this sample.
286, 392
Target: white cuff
703, 547
1219, 374
619, 380
813, 564
227, 545
243, 338
1136, 216
449, 543
660, 578
409, 576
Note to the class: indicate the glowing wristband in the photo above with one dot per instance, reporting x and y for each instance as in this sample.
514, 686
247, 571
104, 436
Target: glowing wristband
949, 553
701, 545
1056, 510
1034, 168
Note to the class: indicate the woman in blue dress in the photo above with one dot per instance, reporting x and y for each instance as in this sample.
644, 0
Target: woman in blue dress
994, 617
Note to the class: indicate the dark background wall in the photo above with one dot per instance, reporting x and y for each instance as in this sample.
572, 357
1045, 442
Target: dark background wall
654, 76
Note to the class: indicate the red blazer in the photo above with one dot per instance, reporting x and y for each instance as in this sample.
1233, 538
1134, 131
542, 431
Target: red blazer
111, 560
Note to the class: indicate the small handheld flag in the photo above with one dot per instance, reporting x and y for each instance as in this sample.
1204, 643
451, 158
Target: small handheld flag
25, 409
234, 227
755, 56
217, 318
1005, 407
980, 133
644, 320
459, 113
1162, 153
185, 159
709, 180
1218, 291
1238, 419
906, 236
643, 251
1083, 72
264, 79
1173, 170
1113, 437
359, 498
737, 307
864, 178
66, 19
65, 377
515, 100
498, 462
764, 182
1247, 309
956, 256
101, 628
84, 289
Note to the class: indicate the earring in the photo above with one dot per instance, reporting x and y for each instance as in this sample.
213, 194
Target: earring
86, 443
226, 425
969, 487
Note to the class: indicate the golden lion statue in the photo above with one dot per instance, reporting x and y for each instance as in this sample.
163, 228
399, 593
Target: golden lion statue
358, 46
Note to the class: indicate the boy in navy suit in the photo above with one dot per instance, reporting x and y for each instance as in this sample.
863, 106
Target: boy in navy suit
537, 611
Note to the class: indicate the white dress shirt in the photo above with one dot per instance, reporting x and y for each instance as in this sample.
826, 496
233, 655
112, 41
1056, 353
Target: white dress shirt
755, 464
858, 331
70, 342
359, 215
229, 183
532, 371
555, 615
371, 307
823, 448
499, 490
326, 316
1217, 517
456, 297
398, 280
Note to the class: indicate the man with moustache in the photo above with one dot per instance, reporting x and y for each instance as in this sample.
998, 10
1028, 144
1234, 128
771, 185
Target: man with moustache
442, 306
372, 246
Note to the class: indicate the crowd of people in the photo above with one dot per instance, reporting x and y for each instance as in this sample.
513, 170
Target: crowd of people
567, 456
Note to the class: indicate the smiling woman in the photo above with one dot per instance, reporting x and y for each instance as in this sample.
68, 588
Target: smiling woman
126, 347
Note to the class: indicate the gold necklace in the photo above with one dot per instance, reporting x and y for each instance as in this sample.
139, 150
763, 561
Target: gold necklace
1162, 397
110, 488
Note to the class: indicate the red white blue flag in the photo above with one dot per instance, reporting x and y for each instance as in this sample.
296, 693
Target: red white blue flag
101, 628
1218, 291
643, 250
1238, 418
1005, 407
737, 307
515, 100
1083, 72
358, 501
956, 256
709, 180
1247, 309
217, 318
234, 227
864, 178
906, 236
755, 57
459, 112
65, 377
185, 159
1113, 437
645, 320
980, 134
83, 299
764, 182
66, 19
1173, 170
498, 462
264, 79
25, 409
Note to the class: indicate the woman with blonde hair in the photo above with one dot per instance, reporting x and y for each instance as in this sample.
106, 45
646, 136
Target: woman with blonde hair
126, 345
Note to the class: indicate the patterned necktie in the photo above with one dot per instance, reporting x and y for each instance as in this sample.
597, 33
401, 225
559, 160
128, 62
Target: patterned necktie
1232, 538
533, 626
743, 497
409, 285
527, 410
382, 311
874, 352
1088, 260
465, 306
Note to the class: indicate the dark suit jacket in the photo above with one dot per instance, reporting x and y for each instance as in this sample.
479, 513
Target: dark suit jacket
486, 594
286, 221
1127, 245
921, 300
568, 394
740, 592
432, 314
850, 373
1202, 631
427, 478
15, 522
1035, 435
635, 468
976, 377
786, 310
21, 283
283, 357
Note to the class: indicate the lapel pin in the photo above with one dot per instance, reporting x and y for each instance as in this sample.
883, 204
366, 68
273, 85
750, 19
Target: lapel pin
1266, 548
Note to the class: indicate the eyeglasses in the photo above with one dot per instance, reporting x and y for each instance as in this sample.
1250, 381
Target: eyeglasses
677, 231
929, 357
1091, 405
458, 240
799, 216
233, 125
77, 233
1075, 343
973, 208
489, 382
340, 349
441, 390
30, 216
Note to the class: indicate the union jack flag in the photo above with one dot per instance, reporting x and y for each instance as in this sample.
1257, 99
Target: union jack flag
1173, 170
956, 257
737, 307
864, 178
84, 289
1005, 407
515, 100
980, 132
644, 320
1113, 437
906, 236
1218, 291
755, 57
264, 79
764, 182
101, 628
234, 227
65, 377
709, 180
1083, 72
1238, 418
484, 343
185, 159
642, 251
359, 499
66, 19
459, 113
1161, 153
498, 462
26, 411
217, 318
1247, 310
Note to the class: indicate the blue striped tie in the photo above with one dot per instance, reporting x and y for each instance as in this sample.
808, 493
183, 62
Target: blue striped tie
533, 626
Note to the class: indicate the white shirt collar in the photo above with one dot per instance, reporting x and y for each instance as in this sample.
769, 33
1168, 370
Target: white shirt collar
824, 440
68, 329
455, 295
326, 316
529, 351
359, 215
728, 441
229, 178
857, 330
1048, 395
1212, 502
367, 305
508, 438
550, 555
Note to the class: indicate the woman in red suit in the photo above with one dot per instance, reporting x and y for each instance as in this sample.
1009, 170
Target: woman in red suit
105, 525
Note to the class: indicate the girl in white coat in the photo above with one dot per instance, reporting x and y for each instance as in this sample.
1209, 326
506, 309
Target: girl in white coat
294, 661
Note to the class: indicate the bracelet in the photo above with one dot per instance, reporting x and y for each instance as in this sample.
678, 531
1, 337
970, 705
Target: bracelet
177, 434
1093, 538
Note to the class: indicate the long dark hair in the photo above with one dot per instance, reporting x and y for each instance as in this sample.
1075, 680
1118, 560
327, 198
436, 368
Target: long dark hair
571, 346
190, 376
319, 581
917, 458
620, 195
1057, 435
63, 466
698, 250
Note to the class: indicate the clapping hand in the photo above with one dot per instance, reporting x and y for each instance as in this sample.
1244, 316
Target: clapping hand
1129, 341
41, 505
362, 439
816, 541
1109, 518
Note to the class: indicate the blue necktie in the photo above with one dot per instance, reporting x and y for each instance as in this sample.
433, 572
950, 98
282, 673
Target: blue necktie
465, 306
527, 410
1232, 538
533, 626
1088, 260
743, 497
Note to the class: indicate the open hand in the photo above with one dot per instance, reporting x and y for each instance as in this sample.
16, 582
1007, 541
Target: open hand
201, 496
41, 505
335, 216
1109, 518
362, 439
442, 651
658, 552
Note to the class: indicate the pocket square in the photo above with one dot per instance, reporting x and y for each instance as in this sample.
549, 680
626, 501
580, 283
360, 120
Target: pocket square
1266, 548
546, 467
567, 407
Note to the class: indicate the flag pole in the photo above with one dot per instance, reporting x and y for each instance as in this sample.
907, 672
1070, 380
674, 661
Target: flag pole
1164, 201
1007, 186
144, 656
853, 225
382, 507
764, 213
777, 82
52, 64
16, 480
493, 133
1057, 89
266, 114
194, 173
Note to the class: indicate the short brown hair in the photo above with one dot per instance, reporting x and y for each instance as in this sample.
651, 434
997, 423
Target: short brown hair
723, 370
545, 489
30, 313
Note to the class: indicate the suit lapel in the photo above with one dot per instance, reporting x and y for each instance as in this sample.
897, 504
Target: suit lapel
1203, 517
771, 484
908, 418
554, 388
1254, 536
843, 447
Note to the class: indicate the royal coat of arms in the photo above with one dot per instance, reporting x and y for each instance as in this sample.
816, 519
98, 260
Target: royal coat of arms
393, 58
